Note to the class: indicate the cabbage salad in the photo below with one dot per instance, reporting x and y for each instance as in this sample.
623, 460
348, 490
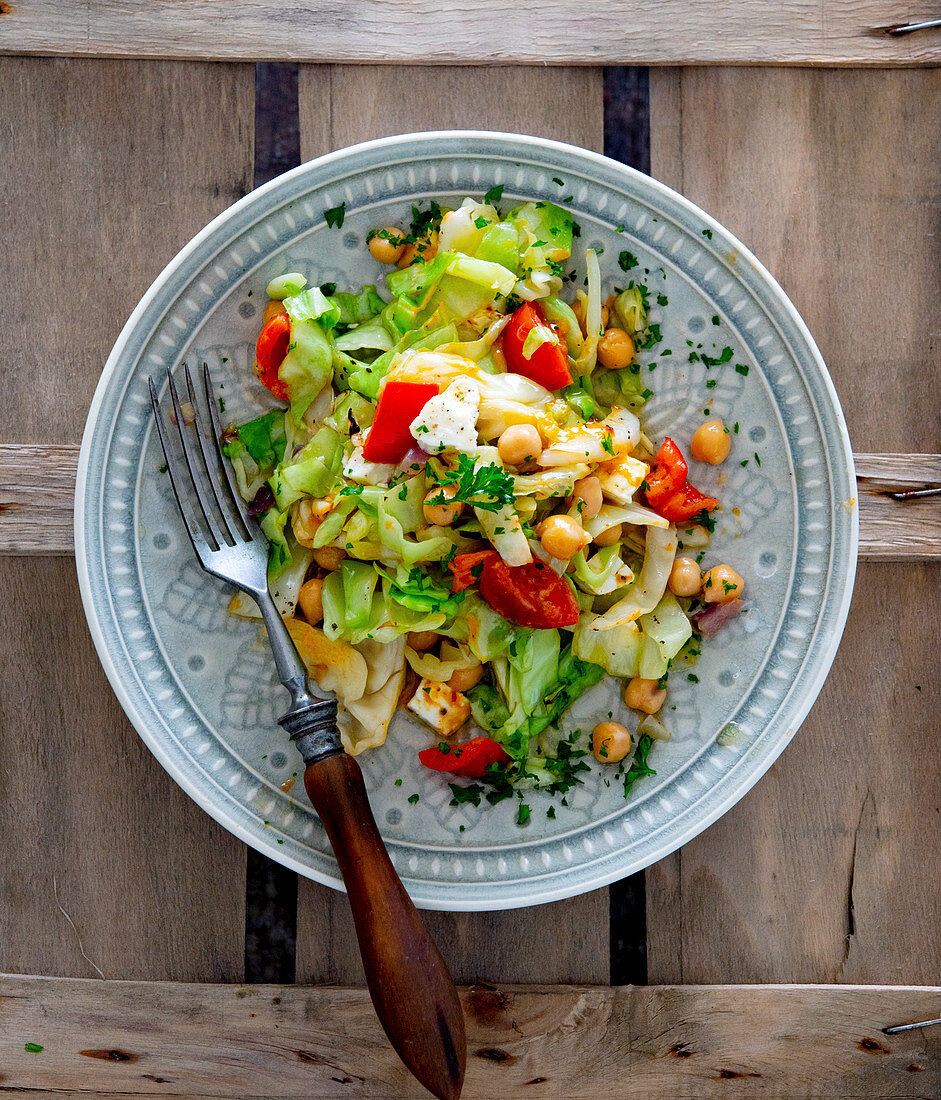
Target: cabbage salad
464, 514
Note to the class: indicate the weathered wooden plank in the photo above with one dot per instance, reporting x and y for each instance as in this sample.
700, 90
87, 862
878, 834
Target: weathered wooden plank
108, 168
366, 102
655, 32
818, 874
161, 1039
37, 484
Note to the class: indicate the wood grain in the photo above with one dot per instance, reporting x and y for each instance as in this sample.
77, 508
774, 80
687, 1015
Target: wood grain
122, 1039
37, 484
597, 32
108, 168
819, 873
366, 102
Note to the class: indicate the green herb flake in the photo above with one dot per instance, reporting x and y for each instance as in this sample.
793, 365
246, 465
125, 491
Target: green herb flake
335, 216
555, 179
662, 299
494, 195
413, 798
715, 319
707, 233
711, 384
33, 1048
757, 459
627, 260
522, 817
741, 368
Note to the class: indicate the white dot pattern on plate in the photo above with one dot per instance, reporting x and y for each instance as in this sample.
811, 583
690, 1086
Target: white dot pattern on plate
147, 631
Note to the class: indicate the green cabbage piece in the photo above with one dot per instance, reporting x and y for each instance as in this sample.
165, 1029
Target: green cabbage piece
500, 245
286, 286
630, 306
666, 630
313, 472
308, 365
545, 236
562, 314
262, 439
366, 379
356, 309
313, 305
359, 579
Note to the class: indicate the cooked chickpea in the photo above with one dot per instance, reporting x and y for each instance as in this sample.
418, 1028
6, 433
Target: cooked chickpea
272, 309
310, 600
442, 515
587, 498
387, 245
421, 640
609, 537
722, 584
611, 742
685, 577
615, 349
518, 443
562, 537
425, 249
645, 695
711, 442
329, 557
463, 679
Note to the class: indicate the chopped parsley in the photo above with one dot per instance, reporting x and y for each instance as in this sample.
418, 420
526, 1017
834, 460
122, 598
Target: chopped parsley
724, 357
413, 798
715, 319
522, 817
335, 216
33, 1048
707, 233
494, 195
627, 260
741, 368
488, 486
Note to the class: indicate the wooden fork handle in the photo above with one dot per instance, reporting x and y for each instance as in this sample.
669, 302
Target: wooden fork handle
409, 983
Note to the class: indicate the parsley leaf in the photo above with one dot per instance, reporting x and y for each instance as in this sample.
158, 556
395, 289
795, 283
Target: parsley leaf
627, 260
486, 486
335, 215
494, 195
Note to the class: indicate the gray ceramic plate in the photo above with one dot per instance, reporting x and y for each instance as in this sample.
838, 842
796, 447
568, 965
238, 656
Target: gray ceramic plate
199, 685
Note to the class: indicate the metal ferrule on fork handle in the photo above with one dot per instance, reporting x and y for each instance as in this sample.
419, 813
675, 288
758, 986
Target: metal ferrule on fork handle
313, 728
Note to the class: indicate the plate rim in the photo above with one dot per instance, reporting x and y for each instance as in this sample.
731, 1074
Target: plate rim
531, 895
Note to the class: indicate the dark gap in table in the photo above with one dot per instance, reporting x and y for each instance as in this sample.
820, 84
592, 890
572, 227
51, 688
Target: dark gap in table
627, 139
270, 889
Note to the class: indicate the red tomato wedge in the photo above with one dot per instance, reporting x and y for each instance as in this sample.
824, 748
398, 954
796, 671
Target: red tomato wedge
270, 350
471, 760
547, 362
667, 475
399, 403
529, 595
685, 504
668, 492
468, 568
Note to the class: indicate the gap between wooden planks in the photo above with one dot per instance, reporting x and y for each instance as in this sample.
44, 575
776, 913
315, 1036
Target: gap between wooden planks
116, 1038
595, 32
37, 483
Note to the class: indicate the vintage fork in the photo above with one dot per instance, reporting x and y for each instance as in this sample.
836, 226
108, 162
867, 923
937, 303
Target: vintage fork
409, 983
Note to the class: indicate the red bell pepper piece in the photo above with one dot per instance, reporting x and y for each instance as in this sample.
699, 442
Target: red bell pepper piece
399, 403
270, 351
467, 568
667, 490
548, 365
472, 759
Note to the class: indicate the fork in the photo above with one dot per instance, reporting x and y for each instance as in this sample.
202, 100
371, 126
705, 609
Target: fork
408, 980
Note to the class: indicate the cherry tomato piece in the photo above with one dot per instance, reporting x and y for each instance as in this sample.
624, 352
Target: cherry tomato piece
667, 476
547, 362
529, 595
467, 568
685, 504
270, 350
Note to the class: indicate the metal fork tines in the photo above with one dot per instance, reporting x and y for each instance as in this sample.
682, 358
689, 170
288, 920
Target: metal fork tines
231, 546
227, 541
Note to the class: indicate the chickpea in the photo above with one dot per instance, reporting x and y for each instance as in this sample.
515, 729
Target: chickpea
562, 536
609, 537
519, 443
711, 442
611, 742
387, 245
425, 249
305, 523
722, 584
272, 309
310, 600
442, 515
421, 640
586, 496
463, 679
685, 577
645, 695
329, 557
615, 349
579, 308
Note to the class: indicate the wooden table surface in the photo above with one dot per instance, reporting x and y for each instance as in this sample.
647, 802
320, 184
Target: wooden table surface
827, 872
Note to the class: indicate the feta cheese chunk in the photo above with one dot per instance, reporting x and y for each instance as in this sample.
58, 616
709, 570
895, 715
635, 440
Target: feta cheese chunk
442, 708
449, 421
359, 469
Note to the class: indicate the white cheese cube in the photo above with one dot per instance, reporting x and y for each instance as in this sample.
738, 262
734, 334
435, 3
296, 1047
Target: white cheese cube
444, 709
449, 420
